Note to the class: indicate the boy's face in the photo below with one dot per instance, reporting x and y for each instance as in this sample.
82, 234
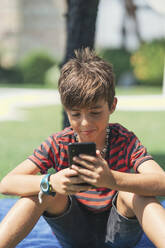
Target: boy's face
90, 122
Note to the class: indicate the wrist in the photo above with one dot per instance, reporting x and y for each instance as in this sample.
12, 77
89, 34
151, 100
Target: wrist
111, 182
51, 181
45, 187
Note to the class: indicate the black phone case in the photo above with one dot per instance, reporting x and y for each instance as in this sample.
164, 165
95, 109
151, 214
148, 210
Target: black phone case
74, 149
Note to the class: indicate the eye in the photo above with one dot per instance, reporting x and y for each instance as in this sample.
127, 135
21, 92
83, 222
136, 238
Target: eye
75, 114
95, 113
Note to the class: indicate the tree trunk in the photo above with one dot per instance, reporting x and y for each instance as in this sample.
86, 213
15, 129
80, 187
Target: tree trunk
80, 28
130, 11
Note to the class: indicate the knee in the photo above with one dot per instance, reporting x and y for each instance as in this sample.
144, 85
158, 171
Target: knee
55, 205
33, 201
142, 201
47, 201
132, 200
129, 204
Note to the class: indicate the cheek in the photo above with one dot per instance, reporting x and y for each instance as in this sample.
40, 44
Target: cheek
104, 117
74, 124
70, 118
105, 120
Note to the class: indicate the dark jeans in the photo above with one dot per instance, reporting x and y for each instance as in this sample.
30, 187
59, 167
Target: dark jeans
80, 228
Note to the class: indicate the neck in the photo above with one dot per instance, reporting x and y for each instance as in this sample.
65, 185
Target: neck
100, 143
105, 148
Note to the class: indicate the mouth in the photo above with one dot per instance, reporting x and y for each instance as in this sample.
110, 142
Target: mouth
88, 132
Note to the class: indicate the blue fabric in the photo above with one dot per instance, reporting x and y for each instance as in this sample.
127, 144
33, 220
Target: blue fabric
41, 236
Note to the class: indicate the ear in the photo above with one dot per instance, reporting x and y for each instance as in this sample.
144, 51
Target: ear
113, 107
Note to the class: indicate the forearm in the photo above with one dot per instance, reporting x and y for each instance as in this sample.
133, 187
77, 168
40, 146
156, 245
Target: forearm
141, 184
21, 185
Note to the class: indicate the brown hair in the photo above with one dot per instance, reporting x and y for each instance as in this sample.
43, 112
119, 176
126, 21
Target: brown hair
85, 79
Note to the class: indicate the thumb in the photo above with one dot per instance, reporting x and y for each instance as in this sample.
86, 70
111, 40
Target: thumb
70, 172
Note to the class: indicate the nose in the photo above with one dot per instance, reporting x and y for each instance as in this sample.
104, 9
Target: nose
84, 121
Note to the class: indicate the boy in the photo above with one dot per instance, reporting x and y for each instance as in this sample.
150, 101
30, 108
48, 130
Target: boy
99, 203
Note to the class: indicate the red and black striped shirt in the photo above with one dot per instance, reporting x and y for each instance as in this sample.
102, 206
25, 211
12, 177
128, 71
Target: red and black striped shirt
124, 152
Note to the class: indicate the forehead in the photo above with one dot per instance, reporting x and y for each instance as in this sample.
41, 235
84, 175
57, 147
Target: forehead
99, 104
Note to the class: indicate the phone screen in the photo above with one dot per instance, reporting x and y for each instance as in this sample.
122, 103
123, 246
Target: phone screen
75, 149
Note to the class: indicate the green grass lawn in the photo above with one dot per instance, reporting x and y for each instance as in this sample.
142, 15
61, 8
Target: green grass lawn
19, 138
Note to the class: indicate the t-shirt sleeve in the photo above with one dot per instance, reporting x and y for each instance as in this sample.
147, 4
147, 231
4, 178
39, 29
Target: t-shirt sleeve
45, 155
136, 153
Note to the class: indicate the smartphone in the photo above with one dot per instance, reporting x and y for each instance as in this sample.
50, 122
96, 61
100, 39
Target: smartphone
74, 149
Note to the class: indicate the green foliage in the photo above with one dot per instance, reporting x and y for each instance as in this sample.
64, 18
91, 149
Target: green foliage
35, 65
148, 62
119, 58
10, 75
51, 76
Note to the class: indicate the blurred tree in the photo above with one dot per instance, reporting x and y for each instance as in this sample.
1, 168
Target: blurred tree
80, 28
130, 13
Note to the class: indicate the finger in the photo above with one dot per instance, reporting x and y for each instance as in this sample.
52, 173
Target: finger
90, 180
85, 163
70, 172
83, 171
89, 158
77, 188
76, 180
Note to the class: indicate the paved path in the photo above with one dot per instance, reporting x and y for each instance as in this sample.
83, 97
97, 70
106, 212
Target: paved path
13, 101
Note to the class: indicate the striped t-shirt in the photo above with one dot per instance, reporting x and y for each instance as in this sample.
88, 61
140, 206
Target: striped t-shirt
124, 152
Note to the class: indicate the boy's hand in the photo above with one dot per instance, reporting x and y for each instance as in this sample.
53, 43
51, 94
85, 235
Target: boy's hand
94, 170
66, 182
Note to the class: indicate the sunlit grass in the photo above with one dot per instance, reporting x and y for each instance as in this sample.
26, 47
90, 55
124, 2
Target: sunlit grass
19, 138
